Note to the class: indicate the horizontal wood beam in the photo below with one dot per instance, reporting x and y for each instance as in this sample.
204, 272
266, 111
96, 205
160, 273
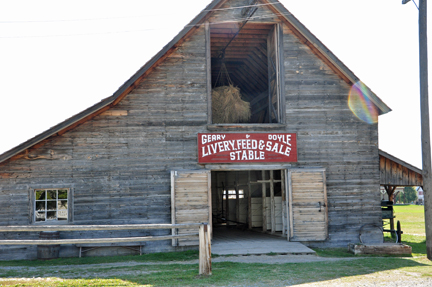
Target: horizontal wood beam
248, 26
243, 31
227, 36
96, 240
32, 228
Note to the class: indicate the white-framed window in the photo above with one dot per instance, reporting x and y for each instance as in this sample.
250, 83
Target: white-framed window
51, 205
232, 194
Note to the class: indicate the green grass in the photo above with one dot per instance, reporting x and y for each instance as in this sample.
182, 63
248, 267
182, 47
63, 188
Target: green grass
333, 252
167, 271
412, 222
412, 225
228, 274
417, 243
411, 218
154, 257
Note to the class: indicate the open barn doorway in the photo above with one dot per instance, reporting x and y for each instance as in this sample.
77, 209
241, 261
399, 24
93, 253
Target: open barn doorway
250, 211
249, 200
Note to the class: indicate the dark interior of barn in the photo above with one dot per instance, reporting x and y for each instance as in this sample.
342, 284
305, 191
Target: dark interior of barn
244, 56
237, 198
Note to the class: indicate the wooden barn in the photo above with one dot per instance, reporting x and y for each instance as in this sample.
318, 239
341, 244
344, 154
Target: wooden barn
287, 154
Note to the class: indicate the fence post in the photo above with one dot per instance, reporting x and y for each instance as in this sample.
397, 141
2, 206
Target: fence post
204, 250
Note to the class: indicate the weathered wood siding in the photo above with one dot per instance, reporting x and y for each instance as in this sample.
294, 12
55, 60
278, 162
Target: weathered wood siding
190, 202
396, 174
330, 136
308, 205
118, 164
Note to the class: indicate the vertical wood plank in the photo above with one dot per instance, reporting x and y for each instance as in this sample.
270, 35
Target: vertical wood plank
284, 217
272, 204
249, 199
290, 209
217, 195
264, 205
173, 214
208, 71
326, 203
281, 65
210, 206
237, 199
227, 201
71, 208
272, 72
383, 173
204, 251
388, 171
31, 205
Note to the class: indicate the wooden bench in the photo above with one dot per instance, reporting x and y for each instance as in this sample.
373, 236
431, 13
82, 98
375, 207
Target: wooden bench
135, 246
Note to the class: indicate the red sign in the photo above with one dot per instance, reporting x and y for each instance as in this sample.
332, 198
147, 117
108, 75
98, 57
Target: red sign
247, 147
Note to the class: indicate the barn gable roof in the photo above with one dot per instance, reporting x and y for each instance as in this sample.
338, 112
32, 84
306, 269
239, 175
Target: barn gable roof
300, 30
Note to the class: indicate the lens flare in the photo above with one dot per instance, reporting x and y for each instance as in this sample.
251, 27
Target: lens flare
360, 104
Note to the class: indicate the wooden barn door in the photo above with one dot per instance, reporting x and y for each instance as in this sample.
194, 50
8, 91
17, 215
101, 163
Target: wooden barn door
190, 201
307, 205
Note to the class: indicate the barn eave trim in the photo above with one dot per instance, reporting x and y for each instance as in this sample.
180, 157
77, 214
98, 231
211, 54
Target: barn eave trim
56, 129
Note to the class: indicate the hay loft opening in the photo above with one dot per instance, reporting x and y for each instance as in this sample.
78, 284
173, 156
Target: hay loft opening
245, 73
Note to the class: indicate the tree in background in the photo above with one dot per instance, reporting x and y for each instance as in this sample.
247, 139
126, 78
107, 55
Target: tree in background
408, 195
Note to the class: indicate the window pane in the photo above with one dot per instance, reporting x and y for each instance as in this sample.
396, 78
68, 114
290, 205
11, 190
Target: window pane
51, 205
62, 194
62, 214
40, 205
40, 216
51, 215
52, 194
62, 205
278, 189
40, 194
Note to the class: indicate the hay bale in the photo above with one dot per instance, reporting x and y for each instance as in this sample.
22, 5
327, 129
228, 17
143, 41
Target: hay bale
228, 107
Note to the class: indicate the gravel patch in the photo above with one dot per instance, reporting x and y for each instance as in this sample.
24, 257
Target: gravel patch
278, 259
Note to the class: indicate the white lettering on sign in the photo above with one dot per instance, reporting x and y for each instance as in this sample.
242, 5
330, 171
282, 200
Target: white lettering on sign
286, 139
211, 138
247, 148
247, 155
